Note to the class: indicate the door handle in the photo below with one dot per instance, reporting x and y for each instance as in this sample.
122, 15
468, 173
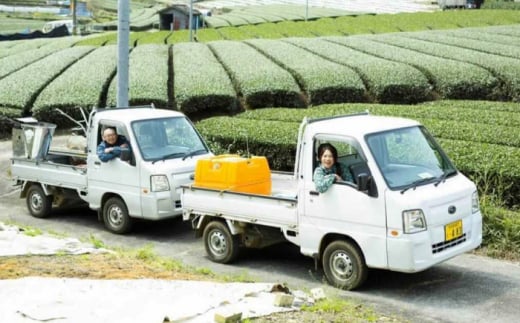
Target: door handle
97, 163
314, 193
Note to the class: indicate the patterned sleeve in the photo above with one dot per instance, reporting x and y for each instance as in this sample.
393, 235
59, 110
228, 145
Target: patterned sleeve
104, 157
322, 181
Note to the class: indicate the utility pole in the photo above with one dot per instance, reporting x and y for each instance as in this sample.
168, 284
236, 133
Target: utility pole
123, 36
74, 18
190, 20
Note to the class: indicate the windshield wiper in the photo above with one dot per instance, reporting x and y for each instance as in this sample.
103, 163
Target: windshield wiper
444, 175
416, 183
193, 153
168, 156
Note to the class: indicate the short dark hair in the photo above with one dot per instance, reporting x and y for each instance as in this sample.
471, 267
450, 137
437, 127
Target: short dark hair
322, 148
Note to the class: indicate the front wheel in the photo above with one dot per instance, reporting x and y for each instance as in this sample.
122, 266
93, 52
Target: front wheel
115, 216
39, 204
221, 246
344, 265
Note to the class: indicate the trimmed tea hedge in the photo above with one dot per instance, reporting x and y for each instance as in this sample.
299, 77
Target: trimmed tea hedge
386, 81
499, 163
444, 72
20, 88
323, 80
260, 82
95, 71
148, 78
505, 68
200, 86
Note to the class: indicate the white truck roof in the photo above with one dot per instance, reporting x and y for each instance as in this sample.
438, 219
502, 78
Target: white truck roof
359, 125
128, 115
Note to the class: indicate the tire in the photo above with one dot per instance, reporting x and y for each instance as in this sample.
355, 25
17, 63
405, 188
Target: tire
115, 216
221, 246
344, 265
38, 204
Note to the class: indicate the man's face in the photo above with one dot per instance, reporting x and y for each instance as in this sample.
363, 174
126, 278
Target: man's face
109, 135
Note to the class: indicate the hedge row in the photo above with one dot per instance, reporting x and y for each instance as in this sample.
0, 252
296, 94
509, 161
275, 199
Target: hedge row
386, 81
509, 50
19, 89
276, 139
95, 72
483, 34
259, 81
323, 81
201, 86
148, 78
18, 60
483, 113
505, 68
444, 72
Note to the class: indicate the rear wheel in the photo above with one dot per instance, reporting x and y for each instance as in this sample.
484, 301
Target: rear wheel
115, 216
221, 246
39, 204
344, 265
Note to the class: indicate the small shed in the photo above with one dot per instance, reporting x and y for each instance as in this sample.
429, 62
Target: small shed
177, 17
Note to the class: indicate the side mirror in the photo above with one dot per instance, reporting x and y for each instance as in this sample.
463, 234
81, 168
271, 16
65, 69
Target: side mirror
362, 181
366, 184
126, 155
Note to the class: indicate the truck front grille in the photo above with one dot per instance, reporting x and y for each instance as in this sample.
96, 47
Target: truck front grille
441, 246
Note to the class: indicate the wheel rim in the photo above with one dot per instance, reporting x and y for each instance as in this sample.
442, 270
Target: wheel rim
217, 243
341, 265
36, 202
115, 216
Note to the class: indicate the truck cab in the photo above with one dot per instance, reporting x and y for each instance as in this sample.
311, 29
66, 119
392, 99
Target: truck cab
406, 209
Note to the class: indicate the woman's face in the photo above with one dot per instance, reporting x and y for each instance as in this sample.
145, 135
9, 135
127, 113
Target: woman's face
327, 159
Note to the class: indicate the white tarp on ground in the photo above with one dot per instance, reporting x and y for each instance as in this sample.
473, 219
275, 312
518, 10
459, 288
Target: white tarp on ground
14, 242
37, 299
82, 300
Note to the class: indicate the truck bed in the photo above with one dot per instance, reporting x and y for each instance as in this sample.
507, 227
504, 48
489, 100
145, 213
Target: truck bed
59, 168
276, 210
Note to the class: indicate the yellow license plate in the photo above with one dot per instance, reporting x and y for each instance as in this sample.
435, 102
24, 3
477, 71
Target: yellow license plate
453, 230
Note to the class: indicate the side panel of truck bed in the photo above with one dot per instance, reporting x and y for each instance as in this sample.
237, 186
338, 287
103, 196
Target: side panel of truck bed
276, 210
50, 173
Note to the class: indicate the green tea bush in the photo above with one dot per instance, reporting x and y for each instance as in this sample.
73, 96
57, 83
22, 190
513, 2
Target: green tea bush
200, 87
148, 76
19, 89
321, 79
259, 81
444, 72
505, 68
387, 81
82, 85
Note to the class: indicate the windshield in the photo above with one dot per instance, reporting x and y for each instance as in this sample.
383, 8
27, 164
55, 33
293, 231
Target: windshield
409, 157
159, 139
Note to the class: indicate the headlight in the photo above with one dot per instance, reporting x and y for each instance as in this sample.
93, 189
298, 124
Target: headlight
413, 221
475, 207
159, 183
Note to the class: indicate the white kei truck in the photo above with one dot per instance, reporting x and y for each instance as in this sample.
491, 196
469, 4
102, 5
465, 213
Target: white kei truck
140, 184
407, 209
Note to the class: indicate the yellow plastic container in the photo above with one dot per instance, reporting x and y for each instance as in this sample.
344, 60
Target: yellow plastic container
234, 173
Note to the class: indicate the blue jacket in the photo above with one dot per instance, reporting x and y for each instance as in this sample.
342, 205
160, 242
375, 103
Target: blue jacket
325, 177
104, 157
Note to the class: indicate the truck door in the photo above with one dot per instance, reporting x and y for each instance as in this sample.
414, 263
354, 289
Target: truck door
115, 176
342, 209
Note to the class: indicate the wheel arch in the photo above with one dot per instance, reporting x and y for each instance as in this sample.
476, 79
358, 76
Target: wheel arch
104, 199
331, 237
